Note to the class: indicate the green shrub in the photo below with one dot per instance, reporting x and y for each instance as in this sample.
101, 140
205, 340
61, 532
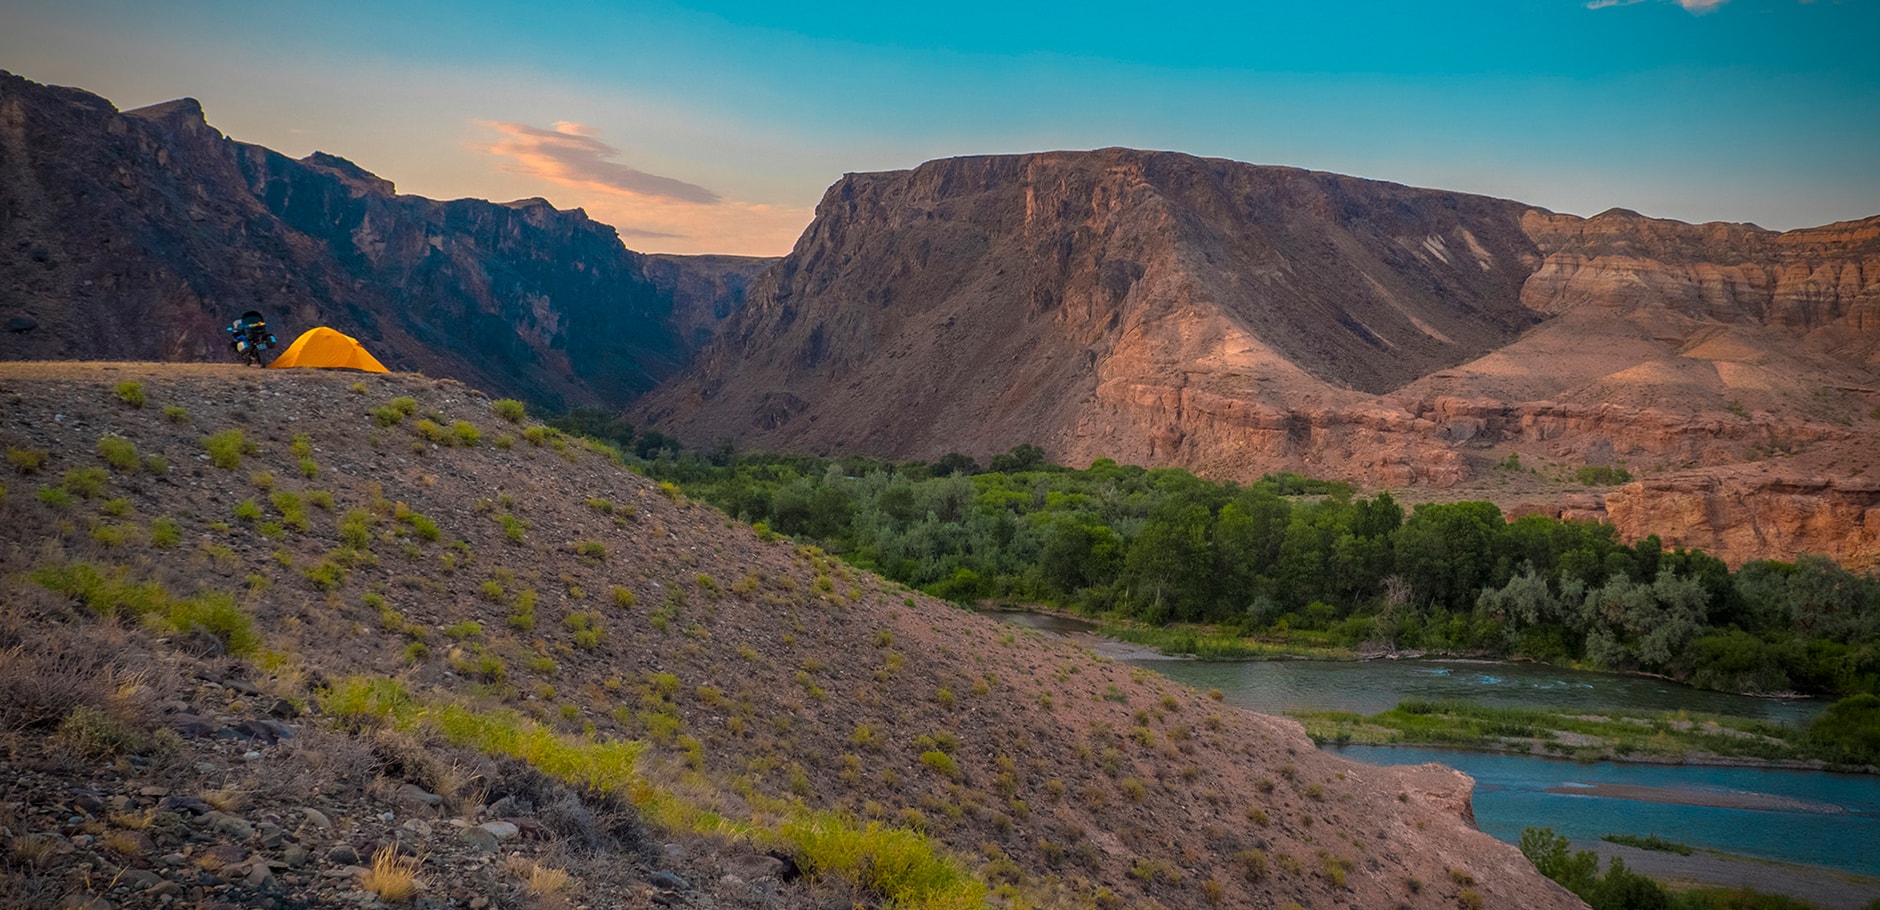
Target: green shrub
1850, 730
111, 536
522, 615
508, 409
1651, 842
355, 529
227, 448
55, 497
86, 483
425, 528
118, 452
97, 734
175, 413
27, 461
113, 594
131, 392
246, 510
293, 510
898, 866
435, 432
515, 529
591, 549
164, 533
467, 629
156, 464
624, 598
465, 433
327, 575
361, 701
480, 665
941, 763
217, 615
1602, 475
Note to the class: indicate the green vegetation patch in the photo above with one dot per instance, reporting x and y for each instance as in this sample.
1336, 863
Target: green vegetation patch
1648, 842
119, 453
131, 392
1289, 564
110, 592
901, 867
1611, 734
1620, 887
227, 448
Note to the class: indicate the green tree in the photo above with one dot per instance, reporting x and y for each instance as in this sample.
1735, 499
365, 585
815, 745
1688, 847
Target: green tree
1168, 566
1445, 551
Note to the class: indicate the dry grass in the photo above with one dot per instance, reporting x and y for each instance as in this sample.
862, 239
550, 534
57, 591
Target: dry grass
226, 799
392, 877
539, 879
124, 844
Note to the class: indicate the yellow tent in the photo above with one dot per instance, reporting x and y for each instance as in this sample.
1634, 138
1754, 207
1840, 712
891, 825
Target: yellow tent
323, 347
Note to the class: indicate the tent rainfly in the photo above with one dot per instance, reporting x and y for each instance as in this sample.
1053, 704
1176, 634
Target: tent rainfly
327, 349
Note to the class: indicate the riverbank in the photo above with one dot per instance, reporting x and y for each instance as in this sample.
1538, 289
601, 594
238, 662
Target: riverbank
1830, 889
1521, 708
1678, 738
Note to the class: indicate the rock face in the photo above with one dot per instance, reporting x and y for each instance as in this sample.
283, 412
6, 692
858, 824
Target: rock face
987, 298
138, 235
705, 290
1169, 310
1780, 516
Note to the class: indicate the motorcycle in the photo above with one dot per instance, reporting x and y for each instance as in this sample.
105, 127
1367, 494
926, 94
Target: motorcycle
250, 338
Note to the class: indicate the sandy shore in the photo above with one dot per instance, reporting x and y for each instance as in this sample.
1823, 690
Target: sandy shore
1695, 796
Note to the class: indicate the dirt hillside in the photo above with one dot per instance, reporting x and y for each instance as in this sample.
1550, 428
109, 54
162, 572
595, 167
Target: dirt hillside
403, 621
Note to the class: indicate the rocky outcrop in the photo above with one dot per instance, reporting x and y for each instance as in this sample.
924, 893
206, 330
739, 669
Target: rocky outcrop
1761, 513
138, 235
1012, 296
1803, 280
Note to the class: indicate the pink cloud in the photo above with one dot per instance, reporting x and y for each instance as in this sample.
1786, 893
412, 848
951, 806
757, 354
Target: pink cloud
570, 155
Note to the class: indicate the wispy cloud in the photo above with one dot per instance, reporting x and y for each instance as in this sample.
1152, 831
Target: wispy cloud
570, 155
1699, 7
652, 213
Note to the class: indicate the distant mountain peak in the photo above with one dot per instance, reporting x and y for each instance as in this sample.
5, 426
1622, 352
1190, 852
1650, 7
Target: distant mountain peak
349, 172
182, 111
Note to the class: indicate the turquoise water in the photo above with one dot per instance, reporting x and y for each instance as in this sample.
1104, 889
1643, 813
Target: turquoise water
1370, 686
1807, 817
1832, 820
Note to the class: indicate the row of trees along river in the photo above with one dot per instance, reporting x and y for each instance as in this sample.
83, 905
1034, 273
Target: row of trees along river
1214, 568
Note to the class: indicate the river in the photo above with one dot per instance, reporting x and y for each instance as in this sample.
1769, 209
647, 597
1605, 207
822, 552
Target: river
1807, 817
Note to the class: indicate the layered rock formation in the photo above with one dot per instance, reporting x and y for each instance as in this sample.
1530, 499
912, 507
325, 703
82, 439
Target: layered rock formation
1164, 309
138, 235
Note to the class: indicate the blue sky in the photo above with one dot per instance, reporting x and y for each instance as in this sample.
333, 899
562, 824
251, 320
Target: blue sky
716, 127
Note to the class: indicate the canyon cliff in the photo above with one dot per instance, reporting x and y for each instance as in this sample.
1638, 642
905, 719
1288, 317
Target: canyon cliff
140, 234
1159, 308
